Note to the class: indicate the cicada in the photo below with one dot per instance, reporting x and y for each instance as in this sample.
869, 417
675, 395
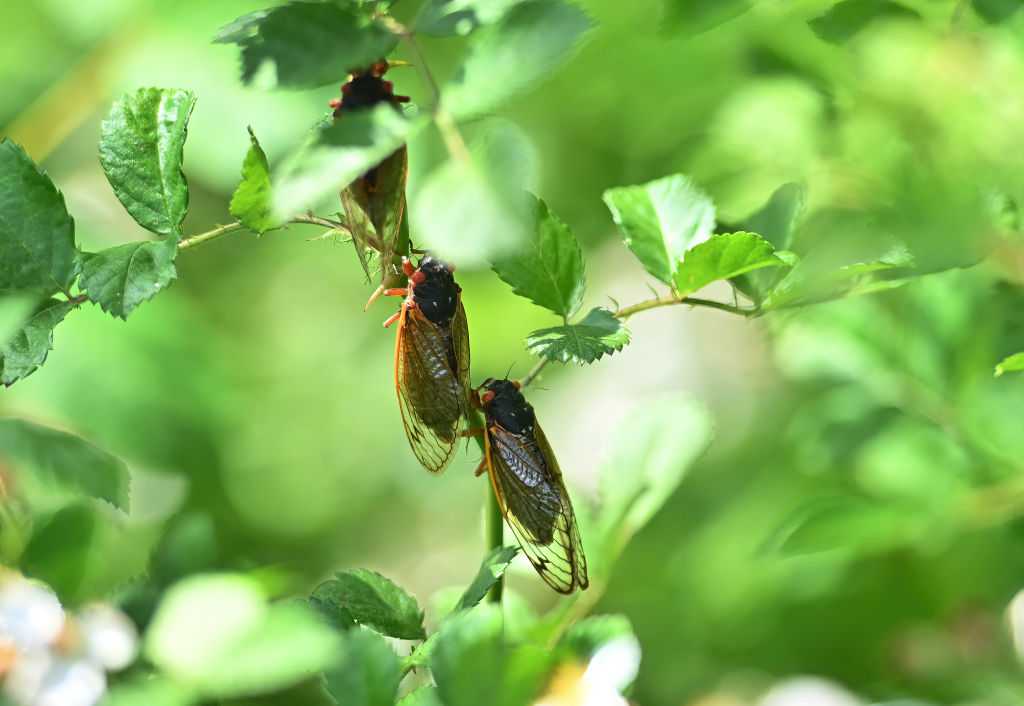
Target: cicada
528, 485
431, 360
374, 204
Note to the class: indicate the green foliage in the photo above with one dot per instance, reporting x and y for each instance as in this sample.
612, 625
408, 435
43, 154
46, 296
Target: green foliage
849, 17
366, 674
151, 691
460, 17
122, 277
423, 696
724, 257
690, 17
548, 268
587, 636
251, 203
1011, 364
37, 236
367, 598
308, 43
995, 11
141, 149
527, 44
27, 348
598, 334
491, 570
776, 222
661, 220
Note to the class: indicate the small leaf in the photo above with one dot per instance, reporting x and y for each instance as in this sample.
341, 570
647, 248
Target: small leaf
548, 268
142, 143
661, 220
597, 335
251, 202
587, 636
776, 222
723, 257
26, 350
122, 277
850, 17
1011, 364
366, 674
690, 17
48, 460
491, 571
525, 46
444, 18
309, 44
37, 236
367, 598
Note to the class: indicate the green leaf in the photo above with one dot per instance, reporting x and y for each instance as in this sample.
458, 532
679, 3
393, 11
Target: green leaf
474, 211
661, 220
996, 11
460, 17
27, 349
1011, 364
526, 45
37, 236
141, 149
776, 222
366, 674
308, 44
587, 636
248, 646
548, 268
51, 461
722, 257
690, 17
597, 335
367, 598
848, 18
423, 696
251, 202
491, 570
337, 153
147, 691
121, 278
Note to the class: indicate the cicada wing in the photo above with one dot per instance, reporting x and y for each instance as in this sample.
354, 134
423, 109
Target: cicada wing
430, 395
536, 505
460, 345
374, 207
359, 225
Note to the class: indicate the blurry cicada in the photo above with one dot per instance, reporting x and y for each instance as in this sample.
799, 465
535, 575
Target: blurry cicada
431, 361
374, 204
528, 485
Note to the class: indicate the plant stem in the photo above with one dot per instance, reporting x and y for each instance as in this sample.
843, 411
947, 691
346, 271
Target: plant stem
308, 219
494, 527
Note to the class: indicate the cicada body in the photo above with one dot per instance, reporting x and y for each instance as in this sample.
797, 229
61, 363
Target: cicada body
528, 485
431, 361
374, 204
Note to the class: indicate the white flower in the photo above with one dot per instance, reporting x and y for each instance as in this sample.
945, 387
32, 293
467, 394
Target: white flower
109, 638
808, 691
611, 669
30, 615
44, 680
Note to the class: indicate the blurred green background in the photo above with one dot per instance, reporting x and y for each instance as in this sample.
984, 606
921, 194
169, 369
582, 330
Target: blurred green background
858, 516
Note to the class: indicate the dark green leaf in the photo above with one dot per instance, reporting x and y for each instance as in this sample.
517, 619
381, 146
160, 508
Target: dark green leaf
1011, 364
690, 17
309, 44
849, 17
368, 598
50, 460
27, 349
526, 45
366, 674
142, 143
722, 257
121, 278
460, 17
661, 220
37, 236
251, 202
776, 222
491, 570
996, 11
548, 268
597, 335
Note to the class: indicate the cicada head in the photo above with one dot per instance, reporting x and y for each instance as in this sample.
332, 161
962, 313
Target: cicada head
434, 289
503, 402
366, 88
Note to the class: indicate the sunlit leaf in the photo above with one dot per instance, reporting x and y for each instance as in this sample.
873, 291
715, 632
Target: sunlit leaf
148, 691
423, 696
1011, 364
548, 268
598, 334
121, 278
251, 202
366, 674
141, 149
367, 598
722, 257
491, 571
26, 350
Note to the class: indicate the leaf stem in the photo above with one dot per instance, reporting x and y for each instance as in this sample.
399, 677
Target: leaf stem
308, 219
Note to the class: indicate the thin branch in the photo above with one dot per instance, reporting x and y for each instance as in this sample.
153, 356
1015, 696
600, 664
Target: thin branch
308, 219
209, 235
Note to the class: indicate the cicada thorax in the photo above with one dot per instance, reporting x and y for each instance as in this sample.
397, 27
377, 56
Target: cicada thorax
374, 204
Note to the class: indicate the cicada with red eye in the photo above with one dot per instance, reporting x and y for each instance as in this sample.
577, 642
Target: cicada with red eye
431, 360
374, 204
528, 485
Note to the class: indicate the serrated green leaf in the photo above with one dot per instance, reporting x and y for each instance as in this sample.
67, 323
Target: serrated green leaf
996, 11
37, 236
776, 222
249, 646
597, 335
690, 17
337, 153
1011, 364
526, 45
849, 17
661, 220
142, 145
366, 674
491, 570
367, 598
309, 44
51, 461
460, 17
26, 350
723, 257
251, 203
121, 278
548, 268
